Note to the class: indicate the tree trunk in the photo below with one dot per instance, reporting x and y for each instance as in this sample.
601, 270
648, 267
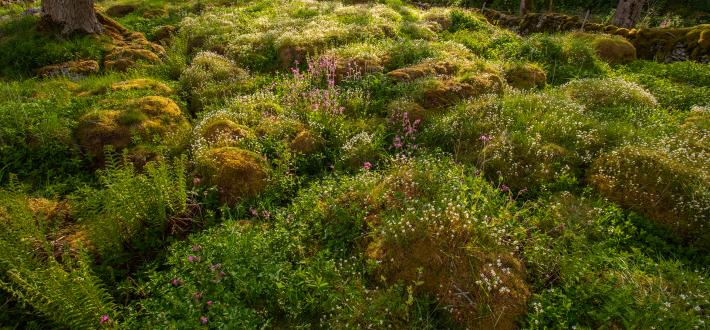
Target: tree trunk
628, 13
72, 15
525, 6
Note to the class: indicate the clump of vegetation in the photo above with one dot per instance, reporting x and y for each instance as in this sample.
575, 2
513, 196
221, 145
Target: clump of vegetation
351, 164
211, 77
660, 186
525, 76
236, 172
150, 120
609, 93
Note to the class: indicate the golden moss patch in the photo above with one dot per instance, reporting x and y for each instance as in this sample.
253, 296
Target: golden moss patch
237, 173
424, 69
306, 142
141, 84
614, 50
148, 119
80, 67
525, 76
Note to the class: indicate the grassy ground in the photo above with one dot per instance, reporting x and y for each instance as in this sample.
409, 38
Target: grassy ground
327, 165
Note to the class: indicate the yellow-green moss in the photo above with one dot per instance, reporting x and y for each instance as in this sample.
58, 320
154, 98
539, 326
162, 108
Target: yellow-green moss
147, 118
237, 173
306, 142
424, 69
525, 76
142, 84
614, 50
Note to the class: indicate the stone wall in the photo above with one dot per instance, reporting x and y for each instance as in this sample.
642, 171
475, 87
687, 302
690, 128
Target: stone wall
662, 44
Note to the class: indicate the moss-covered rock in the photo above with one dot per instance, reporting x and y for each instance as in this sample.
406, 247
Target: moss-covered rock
148, 120
237, 173
428, 68
71, 68
614, 50
438, 93
525, 76
306, 142
142, 84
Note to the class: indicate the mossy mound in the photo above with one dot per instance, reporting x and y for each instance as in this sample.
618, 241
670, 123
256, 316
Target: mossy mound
211, 77
143, 84
695, 130
661, 187
428, 68
151, 119
123, 58
614, 50
306, 142
438, 93
418, 227
224, 129
237, 173
71, 69
599, 93
525, 76
210, 67
127, 49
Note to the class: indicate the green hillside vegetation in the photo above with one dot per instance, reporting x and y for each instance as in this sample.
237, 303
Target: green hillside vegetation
356, 164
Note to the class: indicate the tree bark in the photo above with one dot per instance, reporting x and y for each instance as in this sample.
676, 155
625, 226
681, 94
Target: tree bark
72, 15
628, 12
525, 6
